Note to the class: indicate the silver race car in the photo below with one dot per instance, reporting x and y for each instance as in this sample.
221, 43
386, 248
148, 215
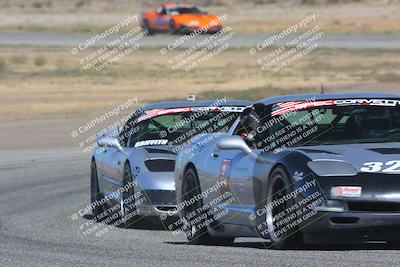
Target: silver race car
132, 169
294, 169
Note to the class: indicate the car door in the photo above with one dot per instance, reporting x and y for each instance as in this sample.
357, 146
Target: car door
213, 162
238, 168
241, 185
161, 20
231, 171
113, 160
215, 173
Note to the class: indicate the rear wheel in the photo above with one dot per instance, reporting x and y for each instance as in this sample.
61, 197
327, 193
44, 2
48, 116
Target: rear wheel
279, 186
95, 195
196, 233
147, 28
172, 27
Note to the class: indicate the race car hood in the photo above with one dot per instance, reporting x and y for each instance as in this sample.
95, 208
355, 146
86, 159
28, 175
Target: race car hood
372, 171
356, 155
197, 20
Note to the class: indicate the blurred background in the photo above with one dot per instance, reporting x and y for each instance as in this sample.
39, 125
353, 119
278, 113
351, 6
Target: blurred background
45, 84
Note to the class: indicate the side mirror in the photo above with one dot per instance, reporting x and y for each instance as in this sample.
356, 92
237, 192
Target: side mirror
107, 141
234, 143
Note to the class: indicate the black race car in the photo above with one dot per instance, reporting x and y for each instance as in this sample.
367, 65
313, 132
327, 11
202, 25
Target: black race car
295, 169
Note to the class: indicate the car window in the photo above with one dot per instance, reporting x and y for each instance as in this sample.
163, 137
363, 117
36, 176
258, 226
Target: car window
161, 11
130, 128
247, 126
333, 125
178, 128
184, 10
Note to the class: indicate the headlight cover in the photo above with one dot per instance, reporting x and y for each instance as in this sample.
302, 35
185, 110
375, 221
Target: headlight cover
326, 168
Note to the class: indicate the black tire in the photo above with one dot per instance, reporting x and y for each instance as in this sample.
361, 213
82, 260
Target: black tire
278, 186
146, 27
172, 27
196, 236
393, 244
128, 212
95, 195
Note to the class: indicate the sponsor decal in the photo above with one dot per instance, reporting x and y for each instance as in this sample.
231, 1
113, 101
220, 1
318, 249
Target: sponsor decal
298, 176
159, 142
346, 191
283, 108
286, 107
392, 166
149, 114
224, 176
135, 171
219, 109
368, 102
143, 209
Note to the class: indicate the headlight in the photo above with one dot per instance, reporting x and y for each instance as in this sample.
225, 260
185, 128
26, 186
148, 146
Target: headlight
332, 168
193, 23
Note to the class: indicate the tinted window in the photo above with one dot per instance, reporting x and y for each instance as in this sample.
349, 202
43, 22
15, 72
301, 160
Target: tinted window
330, 125
178, 128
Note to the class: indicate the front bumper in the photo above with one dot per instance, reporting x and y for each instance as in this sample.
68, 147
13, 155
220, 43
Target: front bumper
350, 221
190, 29
157, 210
158, 203
344, 227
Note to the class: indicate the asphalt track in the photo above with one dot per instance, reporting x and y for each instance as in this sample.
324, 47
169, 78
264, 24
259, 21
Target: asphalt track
41, 188
163, 40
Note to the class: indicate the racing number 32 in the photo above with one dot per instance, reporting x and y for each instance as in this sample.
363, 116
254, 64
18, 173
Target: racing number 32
392, 166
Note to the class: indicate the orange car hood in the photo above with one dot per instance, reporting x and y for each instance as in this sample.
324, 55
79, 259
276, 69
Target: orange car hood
199, 20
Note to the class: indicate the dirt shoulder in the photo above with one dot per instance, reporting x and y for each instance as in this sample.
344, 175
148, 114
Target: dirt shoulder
50, 84
45, 94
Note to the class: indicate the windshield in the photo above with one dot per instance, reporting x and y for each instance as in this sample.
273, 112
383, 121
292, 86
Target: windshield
176, 126
329, 122
184, 10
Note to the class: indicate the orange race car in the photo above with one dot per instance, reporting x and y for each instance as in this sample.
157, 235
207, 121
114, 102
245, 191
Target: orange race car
175, 18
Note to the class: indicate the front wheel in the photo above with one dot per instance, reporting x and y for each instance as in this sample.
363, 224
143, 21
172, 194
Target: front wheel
195, 229
128, 211
280, 235
172, 27
95, 195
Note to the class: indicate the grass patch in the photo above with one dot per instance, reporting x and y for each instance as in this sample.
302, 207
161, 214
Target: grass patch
388, 77
18, 59
253, 94
3, 64
61, 86
40, 61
